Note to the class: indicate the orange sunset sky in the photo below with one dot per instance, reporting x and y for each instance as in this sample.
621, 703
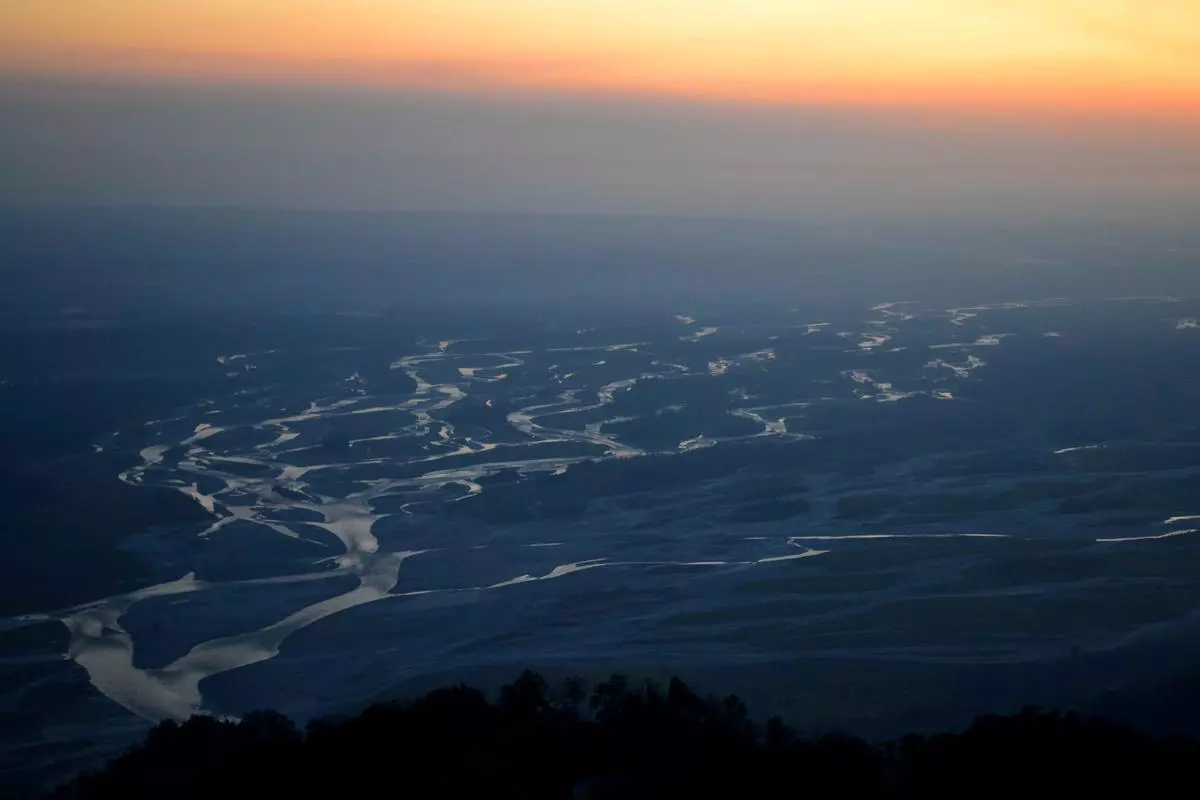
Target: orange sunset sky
1085, 54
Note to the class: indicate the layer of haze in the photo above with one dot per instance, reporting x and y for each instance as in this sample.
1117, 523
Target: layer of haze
107, 143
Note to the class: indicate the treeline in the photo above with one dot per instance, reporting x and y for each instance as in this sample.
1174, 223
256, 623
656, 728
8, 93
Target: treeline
615, 740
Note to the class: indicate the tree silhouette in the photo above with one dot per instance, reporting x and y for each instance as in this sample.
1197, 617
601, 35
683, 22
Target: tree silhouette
630, 743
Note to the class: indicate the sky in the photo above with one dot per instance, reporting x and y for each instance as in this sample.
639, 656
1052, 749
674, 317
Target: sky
1079, 53
643, 106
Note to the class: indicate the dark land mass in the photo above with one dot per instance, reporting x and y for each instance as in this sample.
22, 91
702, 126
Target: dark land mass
621, 740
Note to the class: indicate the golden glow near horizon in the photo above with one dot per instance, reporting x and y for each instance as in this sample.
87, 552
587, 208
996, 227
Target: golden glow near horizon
1076, 53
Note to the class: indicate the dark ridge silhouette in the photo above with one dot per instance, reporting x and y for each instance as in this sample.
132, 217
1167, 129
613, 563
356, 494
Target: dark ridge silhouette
623, 741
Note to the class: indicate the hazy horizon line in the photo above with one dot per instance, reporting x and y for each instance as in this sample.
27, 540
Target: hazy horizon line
810, 221
981, 108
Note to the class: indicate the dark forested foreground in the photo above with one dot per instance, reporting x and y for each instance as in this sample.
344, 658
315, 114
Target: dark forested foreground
629, 742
